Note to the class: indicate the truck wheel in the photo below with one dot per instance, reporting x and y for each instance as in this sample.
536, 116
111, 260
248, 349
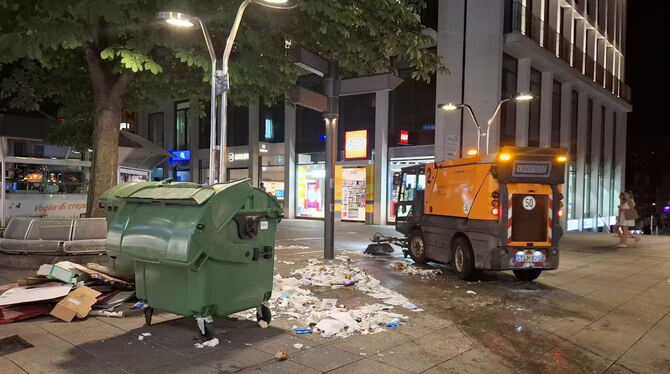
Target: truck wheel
464, 259
527, 275
263, 313
417, 247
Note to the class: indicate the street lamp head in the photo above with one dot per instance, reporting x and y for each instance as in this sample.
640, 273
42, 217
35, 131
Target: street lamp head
277, 4
523, 97
448, 107
178, 19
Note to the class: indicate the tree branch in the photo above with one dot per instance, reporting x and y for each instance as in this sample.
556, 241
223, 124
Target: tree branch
120, 87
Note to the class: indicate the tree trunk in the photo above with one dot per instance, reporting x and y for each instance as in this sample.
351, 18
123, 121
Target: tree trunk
105, 163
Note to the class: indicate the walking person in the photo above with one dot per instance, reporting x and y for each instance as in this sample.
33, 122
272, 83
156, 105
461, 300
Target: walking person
626, 218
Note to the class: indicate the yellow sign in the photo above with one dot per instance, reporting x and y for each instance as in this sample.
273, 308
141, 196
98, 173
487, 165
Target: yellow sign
356, 144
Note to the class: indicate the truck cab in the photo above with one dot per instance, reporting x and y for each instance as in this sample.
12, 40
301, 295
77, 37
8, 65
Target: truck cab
494, 212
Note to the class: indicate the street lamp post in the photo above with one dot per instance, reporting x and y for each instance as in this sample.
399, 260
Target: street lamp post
448, 107
184, 20
276, 4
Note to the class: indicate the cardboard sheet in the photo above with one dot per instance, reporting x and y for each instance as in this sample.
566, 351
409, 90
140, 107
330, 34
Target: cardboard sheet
47, 291
76, 303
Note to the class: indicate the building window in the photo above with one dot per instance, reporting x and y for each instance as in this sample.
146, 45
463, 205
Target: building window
204, 124
237, 129
587, 160
429, 14
181, 125
572, 166
155, 134
613, 197
272, 123
556, 115
601, 164
310, 131
508, 109
412, 109
534, 108
357, 112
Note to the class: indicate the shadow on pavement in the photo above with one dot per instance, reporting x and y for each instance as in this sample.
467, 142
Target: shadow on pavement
170, 349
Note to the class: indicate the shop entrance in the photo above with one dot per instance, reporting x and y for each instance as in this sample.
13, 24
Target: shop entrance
353, 194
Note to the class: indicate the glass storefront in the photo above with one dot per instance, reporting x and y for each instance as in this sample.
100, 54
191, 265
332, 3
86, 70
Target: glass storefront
272, 178
310, 194
353, 194
395, 166
45, 179
237, 174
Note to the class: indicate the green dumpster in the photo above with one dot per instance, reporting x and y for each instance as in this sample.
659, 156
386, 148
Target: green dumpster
111, 201
198, 250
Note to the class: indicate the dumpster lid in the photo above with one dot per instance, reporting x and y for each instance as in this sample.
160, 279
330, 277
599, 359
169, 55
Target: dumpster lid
178, 193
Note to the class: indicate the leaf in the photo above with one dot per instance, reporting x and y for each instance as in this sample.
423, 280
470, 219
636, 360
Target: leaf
107, 53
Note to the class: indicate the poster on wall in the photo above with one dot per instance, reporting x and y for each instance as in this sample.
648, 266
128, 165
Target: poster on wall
309, 191
353, 194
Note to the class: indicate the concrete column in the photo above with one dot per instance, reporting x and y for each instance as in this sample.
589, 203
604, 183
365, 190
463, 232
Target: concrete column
546, 103
581, 154
381, 157
566, 120
595, 160
601, 55
289, 160
254, 153
450, 46
620, 161
169, 122
522, 109
607, 175
483, 67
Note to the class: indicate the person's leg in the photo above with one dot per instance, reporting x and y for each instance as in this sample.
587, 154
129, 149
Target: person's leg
620, 234
624, 236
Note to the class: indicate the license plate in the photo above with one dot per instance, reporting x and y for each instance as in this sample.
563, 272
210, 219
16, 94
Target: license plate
528, 257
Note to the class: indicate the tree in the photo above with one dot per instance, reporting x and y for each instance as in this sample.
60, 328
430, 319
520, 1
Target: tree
95, 58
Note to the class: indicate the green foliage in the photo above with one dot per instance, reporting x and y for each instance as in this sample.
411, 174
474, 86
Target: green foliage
43, 44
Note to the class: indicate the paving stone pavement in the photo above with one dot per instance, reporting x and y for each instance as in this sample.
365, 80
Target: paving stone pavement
605, 310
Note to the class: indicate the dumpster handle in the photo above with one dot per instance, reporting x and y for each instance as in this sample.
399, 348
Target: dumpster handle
199, 262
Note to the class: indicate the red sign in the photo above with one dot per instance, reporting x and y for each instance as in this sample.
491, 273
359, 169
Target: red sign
356, 144
404, 137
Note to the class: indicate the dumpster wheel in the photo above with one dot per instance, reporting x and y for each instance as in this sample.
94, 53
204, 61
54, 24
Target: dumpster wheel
263, 313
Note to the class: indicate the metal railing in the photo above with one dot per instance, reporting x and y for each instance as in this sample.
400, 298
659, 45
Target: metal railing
524, 21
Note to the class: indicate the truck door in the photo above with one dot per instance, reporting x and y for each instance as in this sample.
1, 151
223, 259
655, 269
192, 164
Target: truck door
409, 208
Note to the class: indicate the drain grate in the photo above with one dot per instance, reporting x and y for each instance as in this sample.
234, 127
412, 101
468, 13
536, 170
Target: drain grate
13, 344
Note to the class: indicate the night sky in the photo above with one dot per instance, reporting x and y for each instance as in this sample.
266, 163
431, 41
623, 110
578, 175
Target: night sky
648, 167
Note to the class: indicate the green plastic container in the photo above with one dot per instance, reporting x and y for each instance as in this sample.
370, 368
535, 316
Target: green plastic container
197, 250
111, 201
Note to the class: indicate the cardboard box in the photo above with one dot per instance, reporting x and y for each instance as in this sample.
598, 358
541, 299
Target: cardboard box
77, 303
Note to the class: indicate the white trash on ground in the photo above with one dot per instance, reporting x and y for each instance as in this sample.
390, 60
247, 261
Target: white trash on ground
290, 300
413, 270
209, 343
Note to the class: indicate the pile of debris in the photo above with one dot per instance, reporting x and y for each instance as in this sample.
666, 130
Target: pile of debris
65, 290
413, 270
292, 300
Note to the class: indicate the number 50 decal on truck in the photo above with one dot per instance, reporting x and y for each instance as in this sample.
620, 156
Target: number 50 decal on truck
492, 212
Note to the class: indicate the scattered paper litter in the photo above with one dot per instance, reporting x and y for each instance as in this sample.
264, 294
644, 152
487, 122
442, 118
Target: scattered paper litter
286, 262
263, 324
146, 334
297, 346
281, 355
413, 270
330, 327
291, 299
471, 292
210, 343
